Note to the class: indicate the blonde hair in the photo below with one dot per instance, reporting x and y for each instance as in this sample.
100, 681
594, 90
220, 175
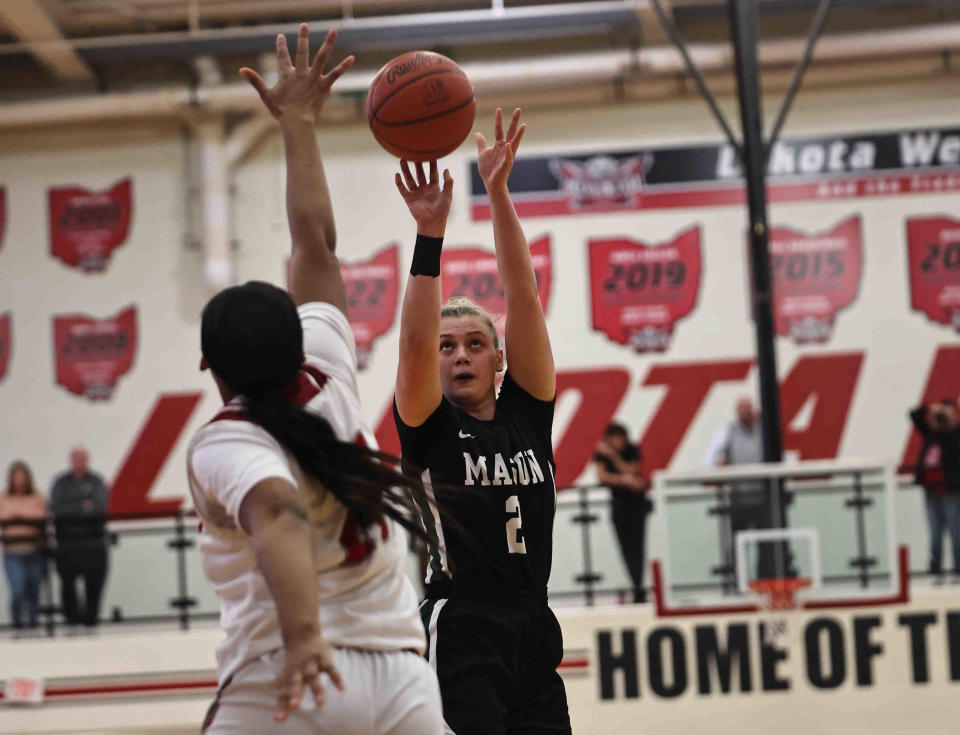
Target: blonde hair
460, 306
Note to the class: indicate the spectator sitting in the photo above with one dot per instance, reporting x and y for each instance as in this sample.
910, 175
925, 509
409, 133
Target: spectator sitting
940, 429
618, 464
78, 502
23, 543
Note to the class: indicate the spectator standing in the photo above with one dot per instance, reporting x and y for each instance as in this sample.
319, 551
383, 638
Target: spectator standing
78, 502
938, 471
619, 466
23, 512
741, 442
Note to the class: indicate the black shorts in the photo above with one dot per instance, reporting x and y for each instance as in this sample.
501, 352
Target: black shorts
497, 667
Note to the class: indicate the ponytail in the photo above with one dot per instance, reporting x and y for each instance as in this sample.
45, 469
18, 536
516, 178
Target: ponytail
370, 483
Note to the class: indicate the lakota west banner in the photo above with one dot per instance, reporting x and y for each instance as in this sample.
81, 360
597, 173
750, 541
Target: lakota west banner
638, 292
826, 167
933, 246
372, 288
814, 277
5, 347
91, 354
473, 273
86, 226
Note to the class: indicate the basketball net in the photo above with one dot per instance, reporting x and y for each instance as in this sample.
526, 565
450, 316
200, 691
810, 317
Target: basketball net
779, 600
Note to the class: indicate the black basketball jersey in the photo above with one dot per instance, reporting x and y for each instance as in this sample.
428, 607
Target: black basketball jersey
500, 538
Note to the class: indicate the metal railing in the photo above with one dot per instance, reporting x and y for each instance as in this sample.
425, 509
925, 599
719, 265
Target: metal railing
149, 586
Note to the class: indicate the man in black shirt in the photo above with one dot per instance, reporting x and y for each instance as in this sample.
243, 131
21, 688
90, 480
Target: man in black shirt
78, 502
939, 426
618, 464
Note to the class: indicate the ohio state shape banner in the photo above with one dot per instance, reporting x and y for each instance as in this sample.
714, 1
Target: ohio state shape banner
933, 252
814, 277
5, 346
638, 292
92, 354
372, 287
472, 272
87, 226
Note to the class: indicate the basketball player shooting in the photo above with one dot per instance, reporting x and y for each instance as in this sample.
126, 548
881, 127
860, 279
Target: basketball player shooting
491, 637
301, 516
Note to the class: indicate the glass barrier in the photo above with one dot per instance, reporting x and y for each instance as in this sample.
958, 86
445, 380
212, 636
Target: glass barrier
154, 573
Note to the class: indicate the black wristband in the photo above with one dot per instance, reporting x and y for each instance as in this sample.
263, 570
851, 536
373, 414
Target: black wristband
426, 256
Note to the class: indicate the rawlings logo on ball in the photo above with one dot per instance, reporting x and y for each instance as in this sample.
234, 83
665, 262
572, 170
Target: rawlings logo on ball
420, 60
434, 93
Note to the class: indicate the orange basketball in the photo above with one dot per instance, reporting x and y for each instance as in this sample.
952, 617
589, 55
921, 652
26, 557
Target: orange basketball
420, 106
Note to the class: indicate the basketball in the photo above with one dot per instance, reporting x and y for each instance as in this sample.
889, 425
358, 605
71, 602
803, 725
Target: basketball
420, 106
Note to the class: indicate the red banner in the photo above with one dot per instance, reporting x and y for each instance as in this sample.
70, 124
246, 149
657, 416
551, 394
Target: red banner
372, 289
638, 292
5, 346
814, 277
473, 273
92, 354
86, 227
934, 255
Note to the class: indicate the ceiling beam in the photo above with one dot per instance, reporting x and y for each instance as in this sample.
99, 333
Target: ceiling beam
29, 22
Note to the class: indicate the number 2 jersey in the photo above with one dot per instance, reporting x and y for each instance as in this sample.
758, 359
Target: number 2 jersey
495, 483
366, 600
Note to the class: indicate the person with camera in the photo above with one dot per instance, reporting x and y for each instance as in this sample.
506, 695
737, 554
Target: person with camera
939, 426
619, 467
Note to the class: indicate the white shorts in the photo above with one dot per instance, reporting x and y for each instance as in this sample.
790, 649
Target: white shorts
385, 693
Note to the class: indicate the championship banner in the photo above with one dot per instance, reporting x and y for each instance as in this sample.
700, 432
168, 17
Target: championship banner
933, 245
638, 292
372, 289
818, 168
86, 227
473, 273
814, 277
5, 346
91, 354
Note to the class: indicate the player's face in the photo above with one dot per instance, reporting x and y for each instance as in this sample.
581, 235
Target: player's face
469, 361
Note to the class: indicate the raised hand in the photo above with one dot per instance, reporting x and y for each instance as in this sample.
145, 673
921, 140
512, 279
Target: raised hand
302, 87
427, 201
495, 162
306, 661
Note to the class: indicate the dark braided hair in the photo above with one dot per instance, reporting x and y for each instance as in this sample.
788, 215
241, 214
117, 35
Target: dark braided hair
252, 339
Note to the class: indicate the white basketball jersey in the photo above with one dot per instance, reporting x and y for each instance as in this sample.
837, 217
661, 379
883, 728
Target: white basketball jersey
366, 600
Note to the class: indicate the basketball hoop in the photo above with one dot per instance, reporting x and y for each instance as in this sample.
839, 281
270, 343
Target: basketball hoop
779, 599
